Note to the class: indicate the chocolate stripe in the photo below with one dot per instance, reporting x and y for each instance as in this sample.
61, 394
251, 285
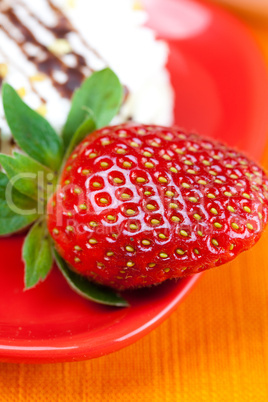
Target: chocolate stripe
21, 71
64, 23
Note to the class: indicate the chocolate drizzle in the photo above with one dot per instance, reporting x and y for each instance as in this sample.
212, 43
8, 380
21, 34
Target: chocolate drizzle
45, 60
63, 26
19, 69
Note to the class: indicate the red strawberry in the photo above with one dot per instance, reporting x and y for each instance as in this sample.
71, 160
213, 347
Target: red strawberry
140, 204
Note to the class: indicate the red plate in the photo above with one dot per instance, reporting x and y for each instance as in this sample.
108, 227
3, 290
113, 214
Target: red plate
221, 89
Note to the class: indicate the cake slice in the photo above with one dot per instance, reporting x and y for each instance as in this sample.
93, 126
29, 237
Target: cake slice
48, 47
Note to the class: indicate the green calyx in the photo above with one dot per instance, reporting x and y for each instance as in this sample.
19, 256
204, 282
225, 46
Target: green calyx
29, 177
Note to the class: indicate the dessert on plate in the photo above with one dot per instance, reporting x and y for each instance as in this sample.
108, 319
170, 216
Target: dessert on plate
48, 47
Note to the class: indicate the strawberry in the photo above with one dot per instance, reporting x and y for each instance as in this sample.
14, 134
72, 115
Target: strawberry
124, 206
140, 204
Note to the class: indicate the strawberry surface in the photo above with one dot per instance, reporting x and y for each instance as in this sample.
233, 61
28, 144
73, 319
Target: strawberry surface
140, 204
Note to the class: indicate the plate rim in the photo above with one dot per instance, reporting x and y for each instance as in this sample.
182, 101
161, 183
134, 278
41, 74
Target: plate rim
21, 353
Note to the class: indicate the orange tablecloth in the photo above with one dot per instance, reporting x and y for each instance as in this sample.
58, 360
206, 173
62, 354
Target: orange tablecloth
213, 348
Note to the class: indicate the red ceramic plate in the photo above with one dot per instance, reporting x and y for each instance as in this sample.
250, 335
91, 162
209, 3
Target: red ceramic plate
221, 89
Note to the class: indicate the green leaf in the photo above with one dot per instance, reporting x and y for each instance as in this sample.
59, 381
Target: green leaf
86, 128
37, 255
31, 131
28, 176
89, 290
16, 210
101, 94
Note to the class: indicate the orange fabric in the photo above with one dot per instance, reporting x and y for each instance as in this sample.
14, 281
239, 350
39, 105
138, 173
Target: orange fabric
213, 348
